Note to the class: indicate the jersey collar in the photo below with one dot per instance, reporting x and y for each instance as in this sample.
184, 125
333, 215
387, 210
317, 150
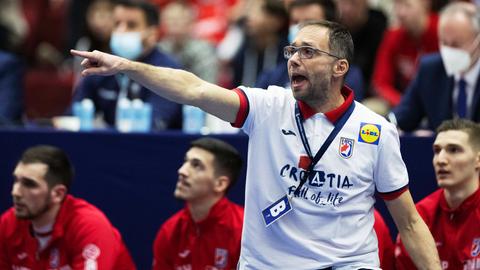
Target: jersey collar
334, 114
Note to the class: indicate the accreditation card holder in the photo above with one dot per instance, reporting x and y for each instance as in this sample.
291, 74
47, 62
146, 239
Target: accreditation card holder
276, 210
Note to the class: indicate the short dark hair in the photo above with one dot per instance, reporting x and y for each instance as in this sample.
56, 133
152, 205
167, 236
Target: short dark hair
227, 159
465, 125
328, 6
150, 10
340, 41
60, 170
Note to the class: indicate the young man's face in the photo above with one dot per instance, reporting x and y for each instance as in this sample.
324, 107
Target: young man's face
30, 191
455, 161
196, 177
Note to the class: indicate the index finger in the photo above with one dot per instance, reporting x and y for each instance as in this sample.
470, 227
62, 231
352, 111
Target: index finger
81, 53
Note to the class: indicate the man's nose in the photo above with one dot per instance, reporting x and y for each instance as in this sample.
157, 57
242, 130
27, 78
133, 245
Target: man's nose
183, 169
16, 190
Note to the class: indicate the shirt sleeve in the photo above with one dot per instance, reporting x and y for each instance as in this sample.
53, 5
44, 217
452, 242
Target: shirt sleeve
390, 175
97, 245
162, 258
258, 105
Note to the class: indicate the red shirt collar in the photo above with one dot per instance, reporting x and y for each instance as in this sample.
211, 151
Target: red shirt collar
472, 201
334, 114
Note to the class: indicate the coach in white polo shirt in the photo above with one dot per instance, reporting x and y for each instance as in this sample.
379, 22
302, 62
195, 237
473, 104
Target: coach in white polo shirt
316, 157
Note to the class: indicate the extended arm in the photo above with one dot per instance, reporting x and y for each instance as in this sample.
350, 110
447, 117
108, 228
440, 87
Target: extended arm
176, 85
414, 232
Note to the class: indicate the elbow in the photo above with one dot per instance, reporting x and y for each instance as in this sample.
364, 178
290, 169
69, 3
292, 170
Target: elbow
410, 224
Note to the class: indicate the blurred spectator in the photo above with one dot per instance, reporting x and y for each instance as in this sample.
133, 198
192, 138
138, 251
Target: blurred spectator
452, 213
367, 27
301, 11
195, 55
133, 37
205, 234
446, 85
212, 17
46, 228
11, 89
13, 27
99, 23
265, 31
402, 46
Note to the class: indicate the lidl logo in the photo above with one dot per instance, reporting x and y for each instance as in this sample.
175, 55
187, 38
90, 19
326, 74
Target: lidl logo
369, 133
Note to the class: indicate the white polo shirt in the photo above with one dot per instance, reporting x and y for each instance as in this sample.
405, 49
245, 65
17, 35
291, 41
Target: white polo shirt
331, 223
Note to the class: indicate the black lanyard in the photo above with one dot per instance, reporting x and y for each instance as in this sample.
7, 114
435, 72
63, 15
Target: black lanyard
314, 160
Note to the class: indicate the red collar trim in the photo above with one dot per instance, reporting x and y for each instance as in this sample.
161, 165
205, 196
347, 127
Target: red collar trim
215, 213
472, 201
334, 114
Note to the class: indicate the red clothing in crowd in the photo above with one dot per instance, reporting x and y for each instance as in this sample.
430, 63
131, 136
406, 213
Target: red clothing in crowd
82, 238
213, 243
385, 243
397, 59
456, 232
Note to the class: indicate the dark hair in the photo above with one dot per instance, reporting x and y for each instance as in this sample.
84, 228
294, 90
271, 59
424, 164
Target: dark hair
150, 10
340, 41
277, 9
60, 170
227, 159
328, 6
467, 126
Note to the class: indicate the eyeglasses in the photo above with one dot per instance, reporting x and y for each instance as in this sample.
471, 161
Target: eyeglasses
304, 52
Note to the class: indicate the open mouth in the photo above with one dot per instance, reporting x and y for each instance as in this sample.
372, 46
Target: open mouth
298, 80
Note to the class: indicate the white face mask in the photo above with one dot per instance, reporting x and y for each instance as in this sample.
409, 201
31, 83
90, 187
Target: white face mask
455, 60
292, 32
127, 45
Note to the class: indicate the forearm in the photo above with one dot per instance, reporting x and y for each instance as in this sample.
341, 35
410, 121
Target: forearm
174, 84
419, 243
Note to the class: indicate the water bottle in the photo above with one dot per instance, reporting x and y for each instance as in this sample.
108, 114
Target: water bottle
142, 116
85, 112
124, 115
193, 119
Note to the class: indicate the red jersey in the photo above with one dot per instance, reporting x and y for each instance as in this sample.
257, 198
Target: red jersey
82, 238
385, 243
456, 232
397, 59
211, 244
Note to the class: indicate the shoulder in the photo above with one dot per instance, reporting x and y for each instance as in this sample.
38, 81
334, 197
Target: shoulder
175, 221
427, 205
83, 216
432, 60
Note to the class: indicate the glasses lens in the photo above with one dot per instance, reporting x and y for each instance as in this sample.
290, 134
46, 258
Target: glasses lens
306, 52
288, 51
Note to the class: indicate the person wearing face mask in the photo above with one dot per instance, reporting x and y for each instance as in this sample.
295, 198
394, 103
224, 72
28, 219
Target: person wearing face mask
446, 85
452, 212
133, 37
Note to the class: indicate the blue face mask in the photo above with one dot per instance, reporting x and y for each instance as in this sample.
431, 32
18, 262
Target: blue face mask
127, 45
292, 32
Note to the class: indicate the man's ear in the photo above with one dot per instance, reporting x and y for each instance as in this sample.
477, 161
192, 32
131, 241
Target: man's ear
58, 193
340, 68
221, 184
